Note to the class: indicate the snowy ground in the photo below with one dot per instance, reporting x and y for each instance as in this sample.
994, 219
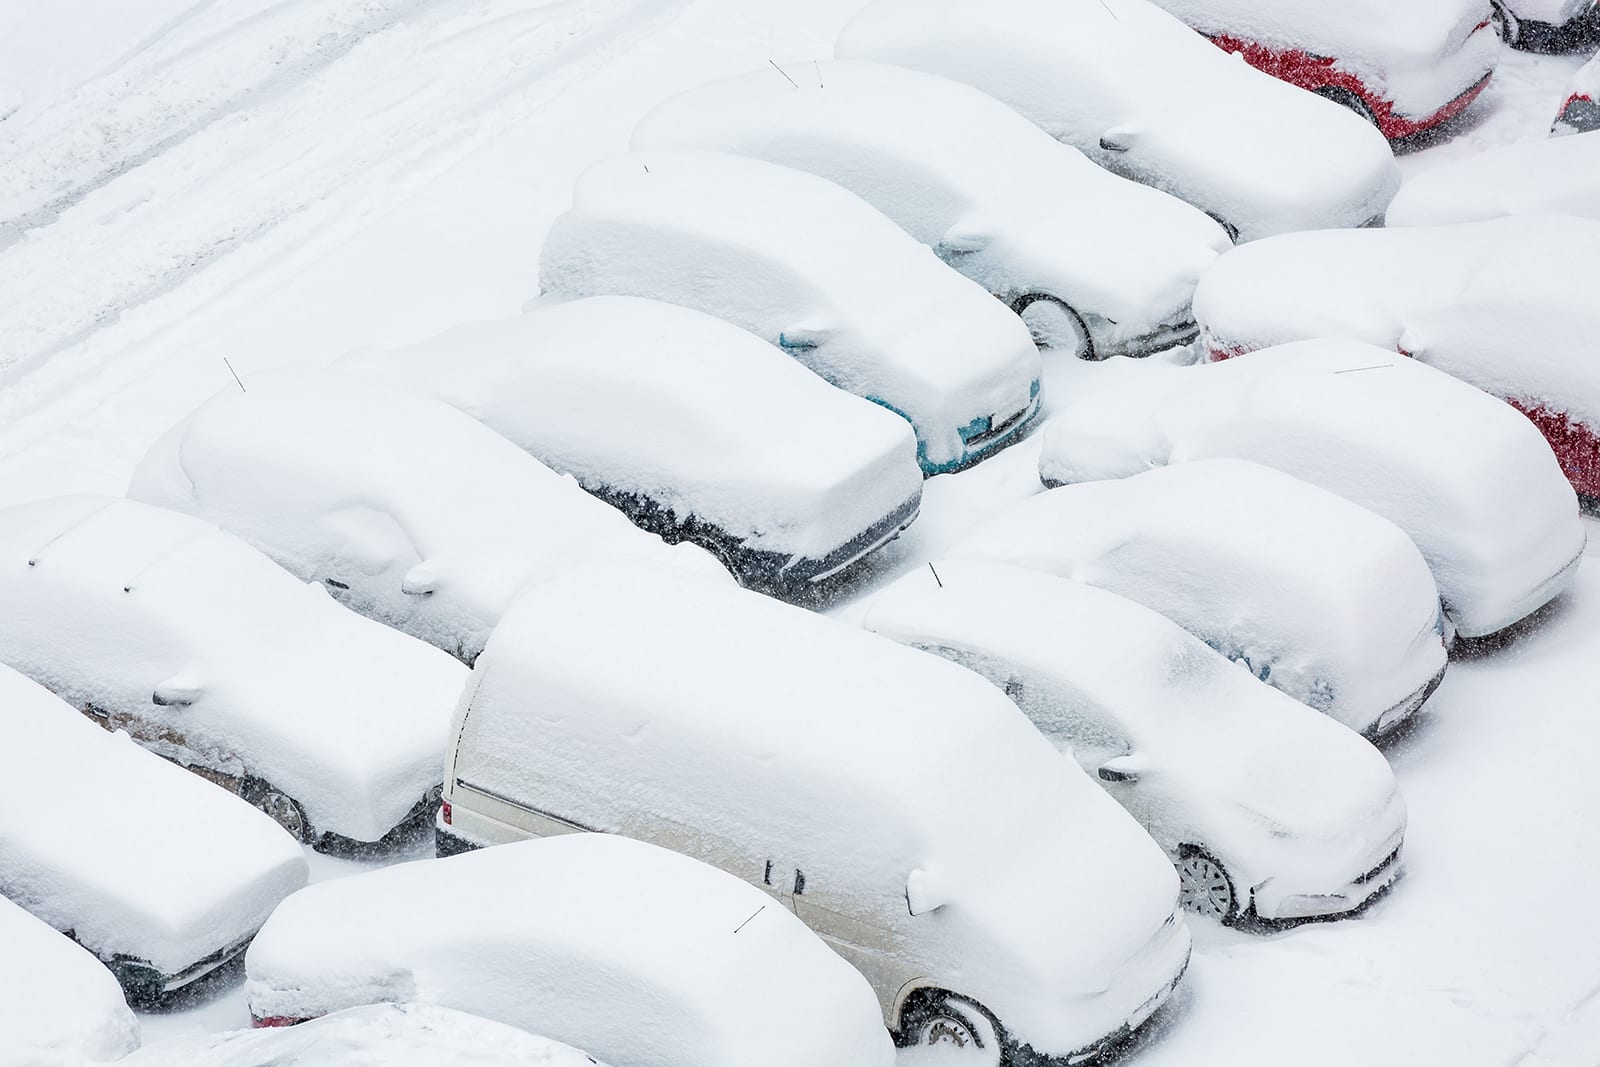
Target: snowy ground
183, 181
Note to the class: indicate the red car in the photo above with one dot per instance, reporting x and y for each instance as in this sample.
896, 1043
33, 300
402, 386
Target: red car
1580, 112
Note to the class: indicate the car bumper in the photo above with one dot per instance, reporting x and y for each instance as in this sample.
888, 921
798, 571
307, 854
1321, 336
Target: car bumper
877, 535
1396, 126
1396, 716
1168, 335
1269, 904
143, 982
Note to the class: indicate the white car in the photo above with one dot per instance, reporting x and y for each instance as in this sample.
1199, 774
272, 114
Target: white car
162, 899
1580, 108
694, 428
1146, 97
633, 953
1505, 304
1555, 176
1314, 595
1465, 476
817, 271
845, 776
1545, 25
58, 1006
1060, 240
1404, 67
209, 654
405, 509
1267, 809
375, 1035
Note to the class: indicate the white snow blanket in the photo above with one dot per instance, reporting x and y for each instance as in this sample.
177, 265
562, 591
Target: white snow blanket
812, 268
1556, 176
997, 198
58, 1005
1319, 597
1469, 479
1144, 96
132, 854
1551, 12
377, 1035
722, 737
1420, 54
634, 953
408, 510
654, 399
1506, 304
1278, 793
214, 656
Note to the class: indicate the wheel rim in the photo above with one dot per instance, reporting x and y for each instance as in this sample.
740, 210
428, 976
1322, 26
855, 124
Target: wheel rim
1204, 886
285, 812
954, 1028
1055, 326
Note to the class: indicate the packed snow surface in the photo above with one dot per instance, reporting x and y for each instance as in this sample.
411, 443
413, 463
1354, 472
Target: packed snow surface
648, 398
1467, 477
1145, 97
1319, 597
406, 509
812, 268
58, 1005
76, 823
997, 198
1290, 801
640, 956
1556, 176
379, 1035
216, 657
723, 737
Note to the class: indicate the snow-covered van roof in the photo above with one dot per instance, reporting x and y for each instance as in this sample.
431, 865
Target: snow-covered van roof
646, 397
237, 665
421, 516
58, 1006
633, 953
1146, 97
1468, 478
998, 198
1322, 598
806, 265
1555, 176
134, 855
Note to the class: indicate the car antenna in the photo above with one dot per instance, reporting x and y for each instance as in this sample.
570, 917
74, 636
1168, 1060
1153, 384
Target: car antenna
753, 914
786, 77
1110, 12
818, 65
233, 372
935, 574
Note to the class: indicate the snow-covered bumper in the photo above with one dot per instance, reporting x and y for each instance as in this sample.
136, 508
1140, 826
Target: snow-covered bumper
1284, 898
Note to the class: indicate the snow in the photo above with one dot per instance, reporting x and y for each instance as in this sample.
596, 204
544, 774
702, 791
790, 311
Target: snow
121, 605
1558, 176
1552, 12
998, 199
379, 1035
638, 396
429, 520
1184, 116
810, 267
1320, 598
1466, 477
62, 1007
1291, 802
566, 936
83, 808
723, 737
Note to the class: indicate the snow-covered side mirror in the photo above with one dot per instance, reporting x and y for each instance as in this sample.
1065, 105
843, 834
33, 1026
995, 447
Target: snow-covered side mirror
1119, 138
967, 236
179, 691
420, 580
1410, 343
802, 337
1121, 769
923, 892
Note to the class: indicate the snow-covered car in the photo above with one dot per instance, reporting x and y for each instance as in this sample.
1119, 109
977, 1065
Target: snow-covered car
1556, 176
406, 510
162, 899
1095, 263
1267, 809
208, 653
1314, 595
375, 1035
1580, 109
810, 267
1404, 67
1465, 476
1144, 96
1545, 24
634, 953
1505, 304
694, 428
58, 1006
846, 776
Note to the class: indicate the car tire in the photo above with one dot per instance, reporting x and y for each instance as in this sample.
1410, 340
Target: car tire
1204, 886
962, 1029
278, 806
1507, 25
1054, 325
1346, 98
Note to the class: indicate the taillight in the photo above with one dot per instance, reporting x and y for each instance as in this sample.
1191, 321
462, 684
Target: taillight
444, 813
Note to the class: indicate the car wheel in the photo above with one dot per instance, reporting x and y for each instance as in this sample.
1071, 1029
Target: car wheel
278, 806
1054, 325
1204, 885
960, 1029
1348, 99
1507, 25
